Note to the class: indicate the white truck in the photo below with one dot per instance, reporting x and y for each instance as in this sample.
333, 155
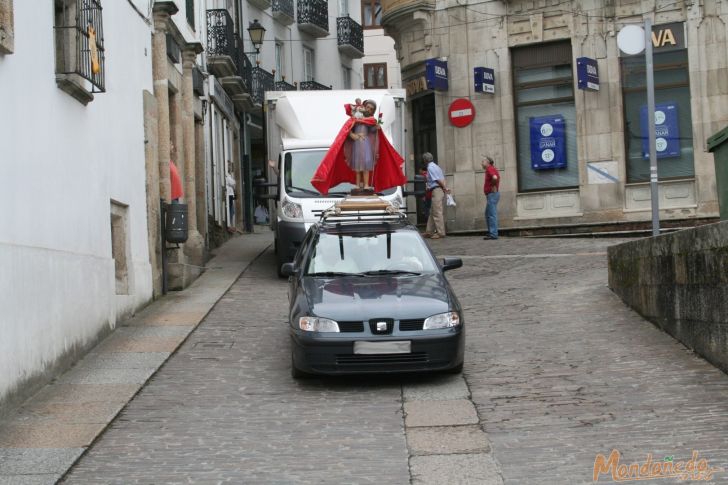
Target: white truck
300, 127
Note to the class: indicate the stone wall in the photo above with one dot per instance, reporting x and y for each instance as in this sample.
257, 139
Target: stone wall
679, 282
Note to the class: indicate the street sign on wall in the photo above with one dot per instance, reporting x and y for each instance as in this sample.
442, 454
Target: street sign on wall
667, 131
436, 74
484, 78
548, 142
587, 73
461, 112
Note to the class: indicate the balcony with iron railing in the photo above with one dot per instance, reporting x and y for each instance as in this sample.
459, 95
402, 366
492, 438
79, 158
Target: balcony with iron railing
312, 86
79, 50
283, 11
313, 17
220, 43
262, 81
350, 37
226, 58
284, 86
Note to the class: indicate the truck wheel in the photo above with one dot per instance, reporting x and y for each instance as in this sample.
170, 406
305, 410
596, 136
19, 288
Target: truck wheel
278, 268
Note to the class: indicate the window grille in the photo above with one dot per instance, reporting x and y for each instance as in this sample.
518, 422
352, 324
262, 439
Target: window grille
80, 41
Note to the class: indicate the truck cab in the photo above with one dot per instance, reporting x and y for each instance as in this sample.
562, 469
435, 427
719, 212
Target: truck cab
300, 128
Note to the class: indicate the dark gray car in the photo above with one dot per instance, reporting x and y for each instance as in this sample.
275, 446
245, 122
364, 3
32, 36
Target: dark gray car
369, 296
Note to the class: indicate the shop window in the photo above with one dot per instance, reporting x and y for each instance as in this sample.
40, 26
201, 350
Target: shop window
371, 14
7, 34
375, 76
673, 122
545, 117
79, 48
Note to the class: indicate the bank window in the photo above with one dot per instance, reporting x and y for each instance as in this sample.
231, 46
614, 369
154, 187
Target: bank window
371, 14
673, 122
545, 117
375, 76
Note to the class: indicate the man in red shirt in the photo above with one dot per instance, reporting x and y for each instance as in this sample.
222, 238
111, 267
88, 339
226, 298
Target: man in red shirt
492, 195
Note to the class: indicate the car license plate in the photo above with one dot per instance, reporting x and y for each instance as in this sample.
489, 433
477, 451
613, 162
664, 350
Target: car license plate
398, 347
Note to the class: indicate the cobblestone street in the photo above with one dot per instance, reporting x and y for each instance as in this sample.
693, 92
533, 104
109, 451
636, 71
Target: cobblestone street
557, 370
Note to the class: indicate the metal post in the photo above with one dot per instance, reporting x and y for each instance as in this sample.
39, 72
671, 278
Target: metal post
163, 242
654, 193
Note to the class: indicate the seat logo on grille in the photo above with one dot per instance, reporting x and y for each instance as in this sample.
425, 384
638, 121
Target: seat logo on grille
381, 326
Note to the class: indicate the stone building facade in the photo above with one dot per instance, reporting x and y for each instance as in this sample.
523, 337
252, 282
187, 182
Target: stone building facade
597, 171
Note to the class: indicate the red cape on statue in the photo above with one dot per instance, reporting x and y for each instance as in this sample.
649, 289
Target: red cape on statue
334, 170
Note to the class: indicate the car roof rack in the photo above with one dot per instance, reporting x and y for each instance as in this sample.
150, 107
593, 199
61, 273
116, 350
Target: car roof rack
362, 208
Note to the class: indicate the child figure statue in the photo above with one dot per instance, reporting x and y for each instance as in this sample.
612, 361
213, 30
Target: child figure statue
361, 149
361, 155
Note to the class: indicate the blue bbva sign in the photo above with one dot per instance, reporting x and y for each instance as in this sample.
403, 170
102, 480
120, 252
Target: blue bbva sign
484, 80
436, 74
548, 142
667, 131
587, 73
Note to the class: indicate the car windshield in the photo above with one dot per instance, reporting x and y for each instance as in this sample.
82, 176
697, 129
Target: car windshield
298, 169
396, 253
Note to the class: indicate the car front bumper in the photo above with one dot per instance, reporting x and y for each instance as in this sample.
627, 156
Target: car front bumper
333, 355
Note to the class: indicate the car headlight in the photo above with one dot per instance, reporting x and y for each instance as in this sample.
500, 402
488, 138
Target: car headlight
443, 320
316, 324
291, 209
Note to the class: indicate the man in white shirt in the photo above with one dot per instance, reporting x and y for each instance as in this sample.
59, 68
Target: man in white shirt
436, 184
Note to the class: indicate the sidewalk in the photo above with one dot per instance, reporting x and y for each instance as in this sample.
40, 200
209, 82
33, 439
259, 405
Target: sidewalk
43, 438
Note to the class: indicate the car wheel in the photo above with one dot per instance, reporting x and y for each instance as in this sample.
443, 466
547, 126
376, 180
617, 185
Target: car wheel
456, 370
297, 373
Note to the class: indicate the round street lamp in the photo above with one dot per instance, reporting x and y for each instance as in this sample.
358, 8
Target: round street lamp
256, 32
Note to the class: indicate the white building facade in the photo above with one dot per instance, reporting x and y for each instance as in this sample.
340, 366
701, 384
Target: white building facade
73, 240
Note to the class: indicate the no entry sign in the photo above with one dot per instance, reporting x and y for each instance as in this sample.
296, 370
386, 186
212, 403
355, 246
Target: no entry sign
461, 112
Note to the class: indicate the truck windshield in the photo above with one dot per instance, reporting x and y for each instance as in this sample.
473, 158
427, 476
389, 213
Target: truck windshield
298, 170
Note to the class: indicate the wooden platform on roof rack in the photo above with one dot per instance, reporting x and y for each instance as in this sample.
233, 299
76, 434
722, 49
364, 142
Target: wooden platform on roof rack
363, 203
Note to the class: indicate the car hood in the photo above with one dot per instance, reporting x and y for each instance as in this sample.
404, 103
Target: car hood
361, 298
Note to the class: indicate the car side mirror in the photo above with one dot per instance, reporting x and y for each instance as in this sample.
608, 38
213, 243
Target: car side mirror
288, 269
451, 263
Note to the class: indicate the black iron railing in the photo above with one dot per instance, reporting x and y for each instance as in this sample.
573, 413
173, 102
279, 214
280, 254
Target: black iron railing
284, 86
262, 81
220, 33
243, 65
349, 32
314, 12
312, 86
80, 43
283, 7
